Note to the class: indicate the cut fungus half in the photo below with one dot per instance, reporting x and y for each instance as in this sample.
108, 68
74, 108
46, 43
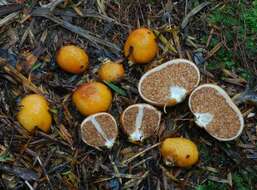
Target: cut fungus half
169, 83
140, 121
215, 112
99, 130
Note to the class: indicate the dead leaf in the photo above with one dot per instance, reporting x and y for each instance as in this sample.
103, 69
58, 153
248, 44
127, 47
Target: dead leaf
65, 134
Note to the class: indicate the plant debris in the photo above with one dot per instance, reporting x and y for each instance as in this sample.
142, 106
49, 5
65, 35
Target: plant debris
219, 36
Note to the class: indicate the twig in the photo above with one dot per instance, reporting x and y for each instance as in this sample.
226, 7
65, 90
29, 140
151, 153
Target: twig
193, 12
8, 18
169, 174
3, 2
214, 50
76, 29
29, 186
139, 154
52, 4
117, 172
4, 10
32, 153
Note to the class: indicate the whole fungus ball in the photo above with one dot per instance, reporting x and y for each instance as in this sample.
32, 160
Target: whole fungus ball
34, 113
169, 83
92, 97
111, 71
179, 151
140, 121
99, 130
215, 112
141, 46
72, 59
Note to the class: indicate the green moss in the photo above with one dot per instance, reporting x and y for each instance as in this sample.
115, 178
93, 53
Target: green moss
210, 185
238, 23
242, 180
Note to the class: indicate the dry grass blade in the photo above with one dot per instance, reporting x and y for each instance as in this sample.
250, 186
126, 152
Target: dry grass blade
169, 174
117, 172
175, 35
214, 50
139, 154
101, 6
3, 2
8, 18
135, 182
24, 173
4, 10
167, 44
76, 29
34, 154
52, 4
193, 12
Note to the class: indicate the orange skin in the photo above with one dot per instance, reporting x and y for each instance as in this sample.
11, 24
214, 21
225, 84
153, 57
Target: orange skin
141, 47
179, 151
91, 98
72, 59
111, 71
34, 113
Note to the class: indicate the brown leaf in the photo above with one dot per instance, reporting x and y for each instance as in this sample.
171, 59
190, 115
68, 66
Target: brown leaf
66, 135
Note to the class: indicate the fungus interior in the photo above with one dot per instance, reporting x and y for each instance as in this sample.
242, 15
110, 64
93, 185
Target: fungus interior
171, 82
100, 130
140, 122
220, 119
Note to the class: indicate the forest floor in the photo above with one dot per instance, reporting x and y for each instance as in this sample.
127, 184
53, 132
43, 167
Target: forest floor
219, 36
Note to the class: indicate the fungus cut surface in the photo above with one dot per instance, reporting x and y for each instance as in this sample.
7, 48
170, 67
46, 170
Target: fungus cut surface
170, 84
214, 112
99, 130
140, 121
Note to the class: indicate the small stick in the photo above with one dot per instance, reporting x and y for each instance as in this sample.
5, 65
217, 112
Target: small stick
29, 186
8, 18
140, 153
209, 38
141, 162
76, 29
32, 153
117, 172
214, 50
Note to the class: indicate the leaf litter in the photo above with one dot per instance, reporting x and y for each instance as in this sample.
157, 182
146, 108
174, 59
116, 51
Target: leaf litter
60, 160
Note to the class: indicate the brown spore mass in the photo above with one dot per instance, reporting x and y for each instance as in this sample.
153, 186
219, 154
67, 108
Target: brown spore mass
129, 120
150, 122
91, 135
225, 123
156, 86
108, 126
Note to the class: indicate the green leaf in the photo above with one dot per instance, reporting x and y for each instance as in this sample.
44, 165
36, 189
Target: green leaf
115, 88
35, 66
6, 156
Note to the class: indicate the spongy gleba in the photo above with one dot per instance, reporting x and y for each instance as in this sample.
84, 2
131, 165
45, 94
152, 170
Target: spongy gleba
99, 130
215, 112
140, 121
169, 83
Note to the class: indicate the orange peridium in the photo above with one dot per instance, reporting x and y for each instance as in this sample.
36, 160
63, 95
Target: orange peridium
111, 71
91, 98
34, 113
180, 151
141, 46
72, 59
